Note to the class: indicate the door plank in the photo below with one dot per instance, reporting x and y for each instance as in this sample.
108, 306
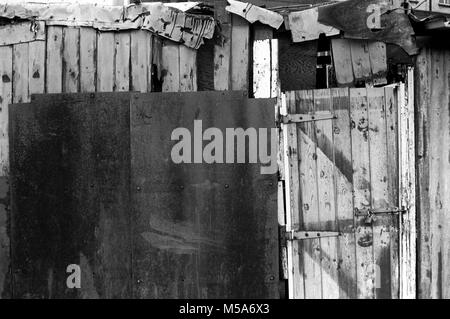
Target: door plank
379, 192
361, 188
393, 179
309, 196
344, 191
326, 194
294, 216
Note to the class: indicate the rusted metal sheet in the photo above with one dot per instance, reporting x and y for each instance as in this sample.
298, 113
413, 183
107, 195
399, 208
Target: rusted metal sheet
201, 230
370, 20
70, 201
90, 189
168, 21
254, 13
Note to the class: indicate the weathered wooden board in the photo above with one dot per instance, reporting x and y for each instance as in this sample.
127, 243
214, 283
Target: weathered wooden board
71, 60
139, 61
359, 63
200, 231
122, 62
380, 191
105, 62
240, 35
5, 99
344, 191
36, 67
170, 67
54, 58
88, 47
22, 32
326, 190
70, 202
362, 191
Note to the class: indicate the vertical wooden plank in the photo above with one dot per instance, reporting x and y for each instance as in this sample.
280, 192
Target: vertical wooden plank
139, 61
149, 42
435, 178
71, 60
171, 67
407, 192
361, 62
293, 212
342, 61
105, 62
262, 64
54, 59
240, 35
423, 91
378, 62
88, 47
188, 69
309, 196
379, 190
36, 67
222, 55
361, 191
344, 191
157, 64
21, 91
274, 69
122, 61
326, 193
6, 62
391, 108
261, 69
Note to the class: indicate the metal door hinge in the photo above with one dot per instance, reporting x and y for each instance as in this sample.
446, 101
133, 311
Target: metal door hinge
370, 213
310, 234
301, 118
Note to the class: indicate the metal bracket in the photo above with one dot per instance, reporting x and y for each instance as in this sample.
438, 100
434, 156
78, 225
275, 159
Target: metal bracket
302, 118
370, 213
303, 235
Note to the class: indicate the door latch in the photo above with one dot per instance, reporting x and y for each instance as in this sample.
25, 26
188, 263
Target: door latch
370, 213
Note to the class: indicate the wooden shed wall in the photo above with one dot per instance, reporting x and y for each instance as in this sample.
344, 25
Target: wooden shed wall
74, 59
432, 80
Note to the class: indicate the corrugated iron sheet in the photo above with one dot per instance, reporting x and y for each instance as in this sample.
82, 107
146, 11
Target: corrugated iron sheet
170, 21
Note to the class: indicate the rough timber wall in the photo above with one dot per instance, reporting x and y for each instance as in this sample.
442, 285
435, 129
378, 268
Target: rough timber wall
433, 159
82, 60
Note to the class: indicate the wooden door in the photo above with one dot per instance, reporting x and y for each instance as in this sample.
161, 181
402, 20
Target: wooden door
342, 160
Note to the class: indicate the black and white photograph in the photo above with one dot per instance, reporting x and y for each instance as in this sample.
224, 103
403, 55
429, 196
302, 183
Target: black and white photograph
247, 151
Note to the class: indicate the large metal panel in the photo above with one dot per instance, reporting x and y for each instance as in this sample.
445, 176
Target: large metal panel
70, 199
200, 230
92, 189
